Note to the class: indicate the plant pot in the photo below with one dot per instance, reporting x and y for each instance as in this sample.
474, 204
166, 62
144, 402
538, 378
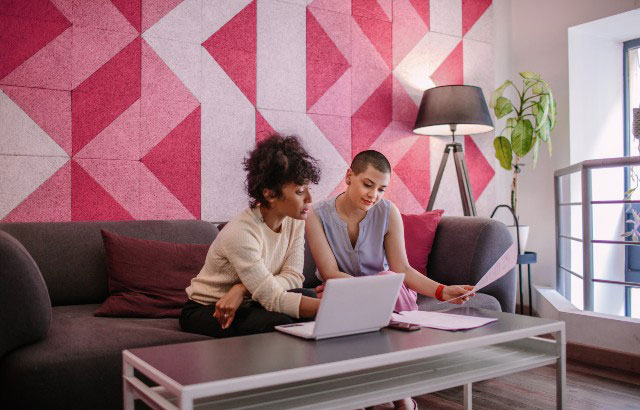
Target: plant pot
524, 235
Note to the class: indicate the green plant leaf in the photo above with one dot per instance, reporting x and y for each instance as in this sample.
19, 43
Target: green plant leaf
535, 109
553, 114
503, 107
549, 145
544, 132
522, 137
511, 124
497, 94
503, 151
529, 75
541, 119
535, 152
537, 89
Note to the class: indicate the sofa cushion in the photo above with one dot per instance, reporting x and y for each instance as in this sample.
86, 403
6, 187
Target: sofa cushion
148, 278
25, 308
480, 301
79, 364
419, 232
70, 255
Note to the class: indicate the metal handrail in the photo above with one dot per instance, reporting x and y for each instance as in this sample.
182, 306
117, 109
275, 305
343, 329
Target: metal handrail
585, 168
571, 272
617, 282
571, 238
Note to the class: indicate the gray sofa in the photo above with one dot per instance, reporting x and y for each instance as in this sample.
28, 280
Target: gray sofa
55, 354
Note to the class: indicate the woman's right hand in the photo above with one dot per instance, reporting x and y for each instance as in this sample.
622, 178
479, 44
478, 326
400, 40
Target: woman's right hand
319, 291
452, 293
227, 306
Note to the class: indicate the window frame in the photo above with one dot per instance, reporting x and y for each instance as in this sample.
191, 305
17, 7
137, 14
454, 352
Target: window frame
630, 275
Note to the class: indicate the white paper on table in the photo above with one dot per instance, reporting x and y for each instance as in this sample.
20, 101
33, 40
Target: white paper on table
438, 320
504, 264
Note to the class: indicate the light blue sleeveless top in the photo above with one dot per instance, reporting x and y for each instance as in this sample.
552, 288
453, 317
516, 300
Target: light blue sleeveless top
368, 256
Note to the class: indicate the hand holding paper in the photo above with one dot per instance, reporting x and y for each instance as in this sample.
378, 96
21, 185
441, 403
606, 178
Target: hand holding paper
504, 264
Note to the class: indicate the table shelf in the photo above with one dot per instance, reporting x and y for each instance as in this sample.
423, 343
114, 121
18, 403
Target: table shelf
370, 387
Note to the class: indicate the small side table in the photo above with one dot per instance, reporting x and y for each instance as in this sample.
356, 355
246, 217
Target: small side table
527, 258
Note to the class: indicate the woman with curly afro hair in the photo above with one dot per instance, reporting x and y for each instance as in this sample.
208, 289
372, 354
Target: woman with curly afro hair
252, 275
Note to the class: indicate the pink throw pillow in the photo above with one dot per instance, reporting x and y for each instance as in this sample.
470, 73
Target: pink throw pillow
148, 278
419, 232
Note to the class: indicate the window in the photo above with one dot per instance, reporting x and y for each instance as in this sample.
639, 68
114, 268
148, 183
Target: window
632, 100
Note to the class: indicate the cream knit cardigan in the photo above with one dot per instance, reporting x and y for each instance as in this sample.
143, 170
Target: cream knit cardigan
267, 263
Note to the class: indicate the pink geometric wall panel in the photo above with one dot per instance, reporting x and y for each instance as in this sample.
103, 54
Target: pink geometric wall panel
51, 201
413, 169
131, 10
101, 14
379, 34
234, 48
24, 32
176, 162
105, 95
451, 70
92, 48
372, 117
119, 140
337, 130
404, 108
340, 6
325, 62
50, 109
154, 10
49, 67
90, 201
480, 171
263, 129
408, 29
472, 10
371, 8
144, 109
422, 8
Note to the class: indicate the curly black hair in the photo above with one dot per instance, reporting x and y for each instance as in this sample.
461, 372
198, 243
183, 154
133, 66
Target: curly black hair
275, 162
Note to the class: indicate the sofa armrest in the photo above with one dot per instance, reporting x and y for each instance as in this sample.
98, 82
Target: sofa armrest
25, 307
463, 251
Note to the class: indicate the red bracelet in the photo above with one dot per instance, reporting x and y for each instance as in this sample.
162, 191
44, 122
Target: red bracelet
439, 293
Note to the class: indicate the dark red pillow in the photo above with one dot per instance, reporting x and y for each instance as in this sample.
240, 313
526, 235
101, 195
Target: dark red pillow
419, 232
148, 278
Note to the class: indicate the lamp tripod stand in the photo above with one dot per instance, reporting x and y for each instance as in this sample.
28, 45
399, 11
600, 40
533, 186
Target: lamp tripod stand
468, 205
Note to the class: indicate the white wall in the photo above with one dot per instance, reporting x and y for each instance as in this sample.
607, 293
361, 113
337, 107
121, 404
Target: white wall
539, 42
596, 122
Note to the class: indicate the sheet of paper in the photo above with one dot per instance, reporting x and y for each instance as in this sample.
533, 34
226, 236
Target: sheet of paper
504, 264
438, 320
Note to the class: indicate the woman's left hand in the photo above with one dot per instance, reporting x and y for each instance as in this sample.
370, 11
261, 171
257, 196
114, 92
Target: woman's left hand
455, 291
227, 306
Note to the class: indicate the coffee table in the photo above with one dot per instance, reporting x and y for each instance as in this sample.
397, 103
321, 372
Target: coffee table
278, 371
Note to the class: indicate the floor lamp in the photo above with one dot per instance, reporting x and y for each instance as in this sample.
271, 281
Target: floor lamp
444, 111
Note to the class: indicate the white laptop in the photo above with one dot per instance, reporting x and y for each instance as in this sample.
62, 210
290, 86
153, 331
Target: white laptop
350, 306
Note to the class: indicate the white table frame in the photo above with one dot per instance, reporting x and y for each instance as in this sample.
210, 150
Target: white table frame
364, 381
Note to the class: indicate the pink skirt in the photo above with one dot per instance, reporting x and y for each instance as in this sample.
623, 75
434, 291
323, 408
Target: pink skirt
406, 298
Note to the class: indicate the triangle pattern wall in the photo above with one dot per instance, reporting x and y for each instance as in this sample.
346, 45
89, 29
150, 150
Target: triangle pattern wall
144, 109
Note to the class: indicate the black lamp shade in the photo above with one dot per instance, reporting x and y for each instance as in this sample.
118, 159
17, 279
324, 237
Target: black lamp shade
461, 105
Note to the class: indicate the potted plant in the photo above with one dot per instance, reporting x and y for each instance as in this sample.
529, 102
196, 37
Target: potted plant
533, 117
